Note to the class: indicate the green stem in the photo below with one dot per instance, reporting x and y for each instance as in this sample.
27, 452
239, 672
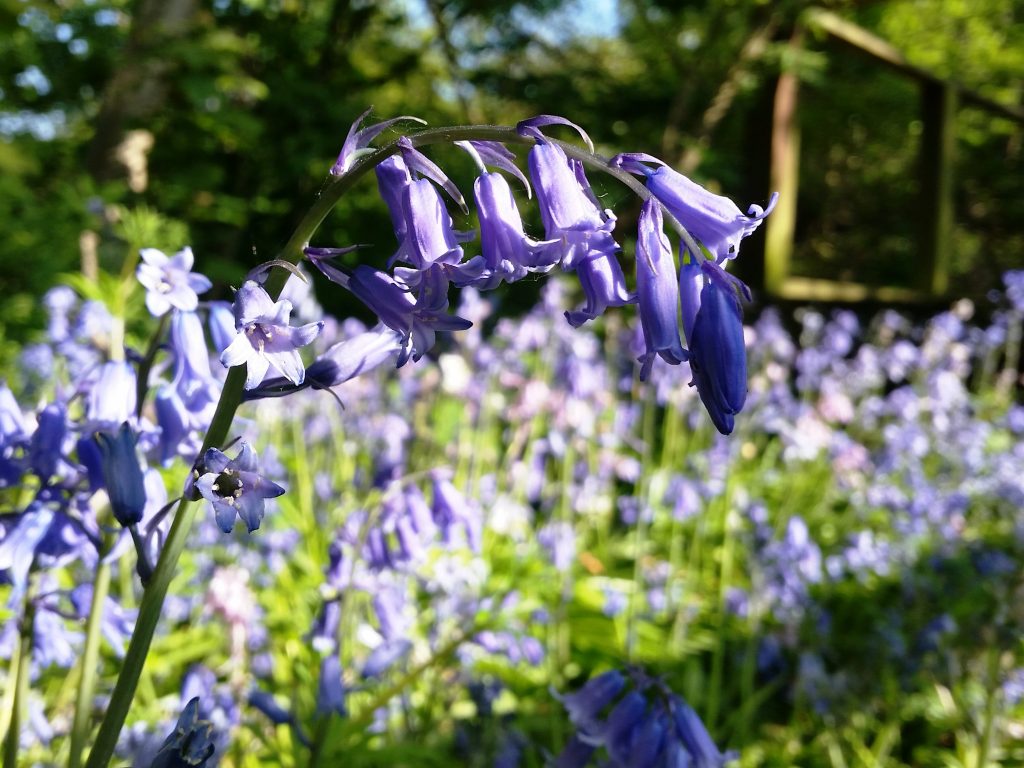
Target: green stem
20, 683
90, 660
142, 381
231, 396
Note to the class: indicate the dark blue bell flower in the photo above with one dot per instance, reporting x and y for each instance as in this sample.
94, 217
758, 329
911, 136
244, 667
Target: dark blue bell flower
619, 731
718, 355
190, 744
695, 737
122, 475
587, 705
385, 656
45, 449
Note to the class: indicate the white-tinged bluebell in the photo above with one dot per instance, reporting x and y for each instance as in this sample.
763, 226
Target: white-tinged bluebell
264, 337
169, 281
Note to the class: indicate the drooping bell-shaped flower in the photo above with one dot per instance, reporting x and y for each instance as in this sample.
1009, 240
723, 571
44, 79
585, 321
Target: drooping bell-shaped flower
568, 212
586, 705
264, 337
122, 475
714, 220
604, 285
657, 291
416, 318
235, 486
46, 447
508, 252
718, 355
169, 281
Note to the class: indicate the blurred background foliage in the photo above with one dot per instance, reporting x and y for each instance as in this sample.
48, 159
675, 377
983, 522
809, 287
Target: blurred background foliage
213, 122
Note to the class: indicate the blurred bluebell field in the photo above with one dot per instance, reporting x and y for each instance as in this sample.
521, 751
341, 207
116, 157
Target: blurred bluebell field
464, 543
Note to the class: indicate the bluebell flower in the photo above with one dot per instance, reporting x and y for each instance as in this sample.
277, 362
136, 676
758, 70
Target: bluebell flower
221, 320
22, 537
358, 139
657, 291
567, 209
640, 723
235, 486
116, 623
385, 656
190, 744
267, 704
264, 337
587, 705
46, 447
112, 396
341, 362
718, 355
604, 285
715, 221
169, 281
122, 475
508, 252
330, 697
416, 318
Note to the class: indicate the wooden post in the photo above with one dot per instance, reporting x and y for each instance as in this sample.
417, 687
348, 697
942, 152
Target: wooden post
938, 149
780, 227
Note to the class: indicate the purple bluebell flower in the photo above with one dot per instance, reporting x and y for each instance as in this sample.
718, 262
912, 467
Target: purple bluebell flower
603, 285
385, 656
267, 704
170, 282
718, 355
358, 139
626, 717
112, 396
235, 486
45, 449
221, 320
657, 291
116, 623
430, 234
715, 221
330, 696
264, 338
341, 362
417, 319
586, 705
122, 475
190, 745
22, 537
567, 209
59, 301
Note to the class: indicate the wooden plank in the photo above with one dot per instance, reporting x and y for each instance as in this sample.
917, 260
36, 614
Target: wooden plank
814, 289
938, 150
780, 227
